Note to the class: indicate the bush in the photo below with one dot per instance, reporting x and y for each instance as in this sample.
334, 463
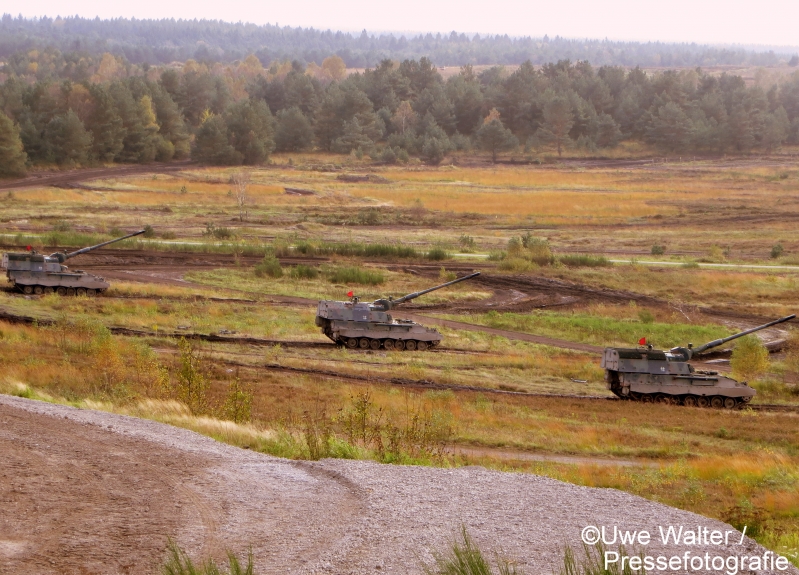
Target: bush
303, 272
776, 251
356, 275
582, 260
388, 156
149, 232
467, 242
270, 267
179, 563
438, 254
466, 558
218, 233
516, 265
658, 250
749, 358
531, 248
168, 236
62, 226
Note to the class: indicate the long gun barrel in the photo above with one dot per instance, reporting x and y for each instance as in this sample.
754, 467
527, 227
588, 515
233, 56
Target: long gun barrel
414, 295
718, 342
62, 257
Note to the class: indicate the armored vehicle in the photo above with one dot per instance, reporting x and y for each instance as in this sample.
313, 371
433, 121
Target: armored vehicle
646, 374
34, 273
365, 325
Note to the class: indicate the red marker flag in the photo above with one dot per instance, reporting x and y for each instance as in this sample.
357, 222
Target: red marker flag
642, 341
350, 294
28, 248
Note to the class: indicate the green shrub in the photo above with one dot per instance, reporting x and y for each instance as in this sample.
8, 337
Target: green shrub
303, 272
179, 563
749, 358
466, 558
222, 233
149, 232
516, 265
270, 267
438, 254
168, 236
497, 255
62, 226
594, 563
467, 242
646, 316
658, 250
777, 251
531, 248
356, 275
582, 260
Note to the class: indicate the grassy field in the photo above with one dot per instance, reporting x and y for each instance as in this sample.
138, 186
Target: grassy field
376, 237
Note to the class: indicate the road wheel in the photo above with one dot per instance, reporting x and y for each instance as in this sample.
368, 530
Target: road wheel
374, 344
27, 289
410, 345
702, 401
91, 292
38, 290
70, 291
663, 399
363, 343
717, 402
421, 345
61, 290
646, 398
388, 344
399, 345
49, 290
689, 401
729, 402
80, 291
352, 342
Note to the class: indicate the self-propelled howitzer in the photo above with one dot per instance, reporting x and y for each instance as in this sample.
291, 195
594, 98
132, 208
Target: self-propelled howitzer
646, 374
34, 273
366, 325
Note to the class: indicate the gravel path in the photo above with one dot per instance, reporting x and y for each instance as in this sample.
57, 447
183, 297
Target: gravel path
90, 492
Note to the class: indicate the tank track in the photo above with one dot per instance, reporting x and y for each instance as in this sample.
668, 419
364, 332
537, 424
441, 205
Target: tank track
386, 344
60, 290
714, 401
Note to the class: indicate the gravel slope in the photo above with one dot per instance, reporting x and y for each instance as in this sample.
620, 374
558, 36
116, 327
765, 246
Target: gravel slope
92, 492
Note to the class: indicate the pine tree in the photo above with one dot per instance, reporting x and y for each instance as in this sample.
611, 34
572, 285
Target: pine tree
294, 132
558, 122
250, 127
212, 146
104, 123
68, 140
494, 137
12, 153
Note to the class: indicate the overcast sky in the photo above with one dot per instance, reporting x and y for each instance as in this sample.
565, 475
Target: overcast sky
771, 22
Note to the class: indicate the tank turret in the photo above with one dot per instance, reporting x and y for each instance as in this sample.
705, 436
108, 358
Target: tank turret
365, 325
646, 374
34, 273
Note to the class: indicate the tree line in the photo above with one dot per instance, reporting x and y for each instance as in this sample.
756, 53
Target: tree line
239, 114
169, 40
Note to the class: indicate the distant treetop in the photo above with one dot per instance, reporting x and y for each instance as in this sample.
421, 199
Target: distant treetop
169, 40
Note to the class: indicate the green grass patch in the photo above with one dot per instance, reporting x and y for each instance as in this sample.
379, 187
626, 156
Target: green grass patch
356, 275
598, 330
584, 261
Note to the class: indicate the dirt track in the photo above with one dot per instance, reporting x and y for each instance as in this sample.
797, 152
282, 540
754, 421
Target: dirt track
91, 492
42, 179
